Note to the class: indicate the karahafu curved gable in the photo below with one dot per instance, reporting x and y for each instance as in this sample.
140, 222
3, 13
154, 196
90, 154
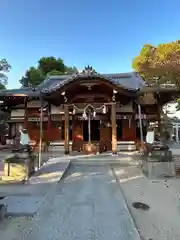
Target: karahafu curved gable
86, 74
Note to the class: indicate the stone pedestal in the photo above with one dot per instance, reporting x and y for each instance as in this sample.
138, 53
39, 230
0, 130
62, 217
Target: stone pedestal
156, 169
18, 169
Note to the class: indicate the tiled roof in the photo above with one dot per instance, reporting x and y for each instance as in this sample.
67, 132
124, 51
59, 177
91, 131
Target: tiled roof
129, 81
19, 92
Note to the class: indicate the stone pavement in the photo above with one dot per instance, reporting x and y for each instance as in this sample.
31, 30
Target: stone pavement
161, 221
51, 172
86, 204
26, 199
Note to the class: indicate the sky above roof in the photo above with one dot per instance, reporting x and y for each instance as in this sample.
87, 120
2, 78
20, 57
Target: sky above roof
104, 34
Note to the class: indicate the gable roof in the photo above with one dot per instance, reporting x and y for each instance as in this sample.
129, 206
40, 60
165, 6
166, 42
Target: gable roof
24, 92
129, 81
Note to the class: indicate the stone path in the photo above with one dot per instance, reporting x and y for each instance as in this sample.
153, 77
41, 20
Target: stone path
87, 205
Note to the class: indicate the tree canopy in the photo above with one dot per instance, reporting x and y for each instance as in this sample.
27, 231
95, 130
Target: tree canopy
4, 69
160, 64
32, 77
47, 66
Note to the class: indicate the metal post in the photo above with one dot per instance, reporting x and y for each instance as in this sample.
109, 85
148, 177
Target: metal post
140, 122
40, 134
89, 128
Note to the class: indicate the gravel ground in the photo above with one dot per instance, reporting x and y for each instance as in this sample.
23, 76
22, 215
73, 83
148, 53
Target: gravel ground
87, 204
161, 221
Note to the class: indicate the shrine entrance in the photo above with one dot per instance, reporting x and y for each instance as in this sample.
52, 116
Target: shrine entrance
88, 133
94, 131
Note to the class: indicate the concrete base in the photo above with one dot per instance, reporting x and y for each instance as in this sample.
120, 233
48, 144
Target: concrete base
153, 169
66, 152
8, 180
22, 205
3, 211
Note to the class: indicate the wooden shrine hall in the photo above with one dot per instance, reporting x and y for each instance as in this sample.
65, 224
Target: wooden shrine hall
86, 111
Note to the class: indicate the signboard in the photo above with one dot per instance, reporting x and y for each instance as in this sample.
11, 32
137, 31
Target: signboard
150, 137
37, 119
123, 116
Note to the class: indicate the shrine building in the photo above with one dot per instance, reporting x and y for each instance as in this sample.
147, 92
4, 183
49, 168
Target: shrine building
87, 111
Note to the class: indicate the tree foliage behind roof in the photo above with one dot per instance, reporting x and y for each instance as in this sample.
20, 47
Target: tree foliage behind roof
47, 66
160, 64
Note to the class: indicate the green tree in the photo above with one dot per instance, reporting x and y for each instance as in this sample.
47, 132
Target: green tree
159, 64
32, 77
54, 73
48, 64
4, 68
2, 86
68, 71
71, 70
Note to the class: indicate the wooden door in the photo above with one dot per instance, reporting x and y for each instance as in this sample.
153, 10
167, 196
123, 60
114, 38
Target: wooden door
128, 130
77, 135
105, 137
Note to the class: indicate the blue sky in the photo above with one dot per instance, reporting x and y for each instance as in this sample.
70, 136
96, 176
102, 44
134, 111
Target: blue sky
105, 34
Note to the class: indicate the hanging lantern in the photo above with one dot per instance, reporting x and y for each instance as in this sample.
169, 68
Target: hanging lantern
104, 110
94, 114
84, 115
108, 124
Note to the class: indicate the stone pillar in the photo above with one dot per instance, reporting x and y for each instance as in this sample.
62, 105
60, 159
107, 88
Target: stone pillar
113, 124
66, 130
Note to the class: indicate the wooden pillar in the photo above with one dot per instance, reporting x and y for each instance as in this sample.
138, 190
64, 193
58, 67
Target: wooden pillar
133, 121
49, 118
113, 124
159, 110
66, 130
41, 133
140, 122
